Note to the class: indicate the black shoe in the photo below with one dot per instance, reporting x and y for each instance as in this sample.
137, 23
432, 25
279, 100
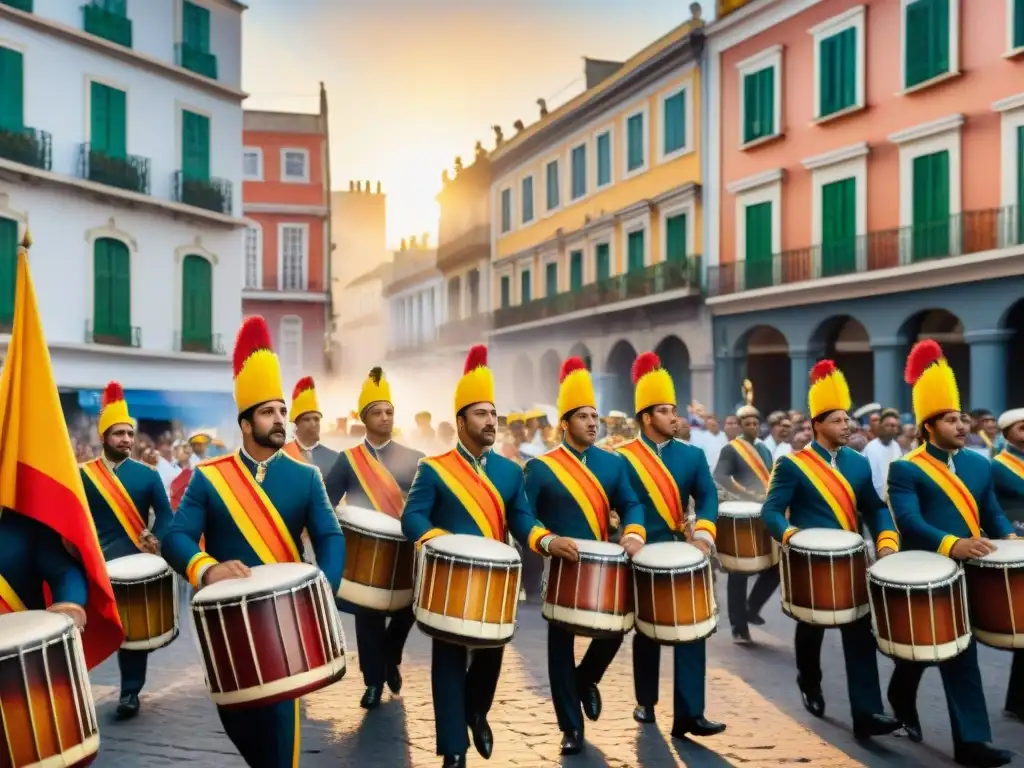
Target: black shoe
911, 723
741, 636
394, 679
814, 702
590, 698
977, 754
643, 714
866, 726
371, 699
483, 737
572, 742
698, 726
128, 706
755, 619
454, 761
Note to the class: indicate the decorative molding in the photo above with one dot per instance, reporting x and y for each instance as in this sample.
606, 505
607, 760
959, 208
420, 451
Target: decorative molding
634, 210
928, 130
6, 212
111, 231
1009, 104
679, 196
760, 60
195, 248
831, 26
836, 156
749, 183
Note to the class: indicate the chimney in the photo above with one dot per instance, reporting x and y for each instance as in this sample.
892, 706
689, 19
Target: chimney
378, 187
367, 186
412, 243
359, 186
423, 239
351, 186
402, 247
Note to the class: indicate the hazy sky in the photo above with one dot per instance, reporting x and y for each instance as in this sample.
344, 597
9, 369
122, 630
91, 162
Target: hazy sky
412, 83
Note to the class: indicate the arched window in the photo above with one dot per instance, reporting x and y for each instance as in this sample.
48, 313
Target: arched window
291, 347
112, 293
8, 271
196, 304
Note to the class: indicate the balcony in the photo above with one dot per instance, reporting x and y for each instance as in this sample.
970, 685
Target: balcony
472, 245
651, 281
959, 235
97, 20
114, 335
21, 5
27, 146
464, 332
205, 343
130, 172
191, 58
209, 194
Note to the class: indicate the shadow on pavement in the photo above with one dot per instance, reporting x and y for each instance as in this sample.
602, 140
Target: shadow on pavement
379, 740
696, 755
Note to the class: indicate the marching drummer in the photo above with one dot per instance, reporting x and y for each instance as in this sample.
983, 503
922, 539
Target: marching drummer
828, 485
252, 506
376, 474
306, 415
665, 473
121, 493
743, 469
573, 488
1008, 477
476, 491
942, 499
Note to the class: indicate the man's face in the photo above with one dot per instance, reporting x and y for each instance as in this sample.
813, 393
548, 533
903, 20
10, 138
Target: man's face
950, 430
183, 454
732, 428
1015, 435
711, 424
582, 426
119, 441
307, 428
989, 425
784, 430
199, 447
873, 420
684, 431
888, 428
801, 437
379, 420
836, 428
665, 422
480, 424
750, 426
267, 427
518, 430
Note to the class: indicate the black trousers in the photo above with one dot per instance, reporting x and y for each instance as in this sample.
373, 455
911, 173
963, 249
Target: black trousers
380, 640
568, 680
860, 653
533, 573
740, 604
1015, 690
463, 683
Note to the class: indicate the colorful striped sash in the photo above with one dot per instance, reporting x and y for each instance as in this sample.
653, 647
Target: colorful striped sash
748, 452
116, 496
657, 481
585, 489
9, 600
292, 449
376, 480
474, 490
251, 510
830, 484
951, 485
1011, 462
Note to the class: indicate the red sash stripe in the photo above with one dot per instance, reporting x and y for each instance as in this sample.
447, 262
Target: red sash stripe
586, 481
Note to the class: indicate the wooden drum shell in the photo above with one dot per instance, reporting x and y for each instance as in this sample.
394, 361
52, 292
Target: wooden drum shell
996, 597
592, 597
744, 545
826, 589
675, 606
148, 610
926, 623
378, 570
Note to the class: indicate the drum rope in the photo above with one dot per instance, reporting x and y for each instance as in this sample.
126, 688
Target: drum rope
28, 697
75, 682
227, 645
325, 632
298, 625
465, 600
53, 699
1009, 602
248, 633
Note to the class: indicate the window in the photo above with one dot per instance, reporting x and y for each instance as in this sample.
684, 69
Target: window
196, 303
930, 39
579, 171
761, 89
292, 268
674, 122
253, 258
575, 270
112, 292
602, 262
108, 121
506, 210
839, 228
635, 142
1016, 25
604, 159
473, 286
195, 26
525, 287
252, 164
635, 252
758, 255
8, 270
454, 298
506, 291
931, 205
527, 200
12, 93
675, 239
1020, 185
552, 185
290, 347
195, 146
837, 86
294, 165
551, 280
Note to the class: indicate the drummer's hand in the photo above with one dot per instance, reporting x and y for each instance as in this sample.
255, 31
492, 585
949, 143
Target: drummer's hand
565, 548
885, 552
232, 569
965, 549
150, 544
73, 611
702, 545
631, 544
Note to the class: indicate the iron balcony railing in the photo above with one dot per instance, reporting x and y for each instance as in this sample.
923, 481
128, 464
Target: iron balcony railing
115, 335
211, 194
28, 146
97, 20
650, 281
210, 343
195, 60
130, 172
21, 5
960, 234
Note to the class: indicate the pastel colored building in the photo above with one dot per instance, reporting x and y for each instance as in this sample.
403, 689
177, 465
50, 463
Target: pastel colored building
867, 167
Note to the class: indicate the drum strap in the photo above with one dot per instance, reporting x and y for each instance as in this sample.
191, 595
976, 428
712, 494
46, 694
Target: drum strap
377, 482
951, 485
830, 485
117, 498
657, 481
752, 459
585, 489
9, 600
474, 490
1012, 463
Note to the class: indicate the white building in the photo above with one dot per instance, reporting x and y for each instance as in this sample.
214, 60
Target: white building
121, 150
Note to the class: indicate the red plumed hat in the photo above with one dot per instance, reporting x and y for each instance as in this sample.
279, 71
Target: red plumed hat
252, 337
645, 363
923, 354
571, 365
111, 394
475, 358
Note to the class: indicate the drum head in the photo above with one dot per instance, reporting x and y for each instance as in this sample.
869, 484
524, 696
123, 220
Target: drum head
668, 555
912, 568
265, 579
739, 509
599, 548
1008, 552
29, 627
370, 520
826, 540
475, 547
136, 567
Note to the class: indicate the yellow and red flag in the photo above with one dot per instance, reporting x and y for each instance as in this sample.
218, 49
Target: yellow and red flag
39, 477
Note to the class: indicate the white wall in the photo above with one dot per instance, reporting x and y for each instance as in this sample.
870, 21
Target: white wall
416, 313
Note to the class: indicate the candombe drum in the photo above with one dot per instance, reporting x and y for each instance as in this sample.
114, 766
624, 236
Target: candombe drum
592, 597
824, 577
378, 560
47, 712
272, 637
467, 590
146, 592
995, 592
743, 543
919, 606
674, 593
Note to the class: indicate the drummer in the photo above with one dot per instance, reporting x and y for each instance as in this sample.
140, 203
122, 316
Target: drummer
306, 415
556, 484
376, 474
744, 466
1008, 478
826, 485
940, 496
657, 461
121, 492
440, 503
233, 500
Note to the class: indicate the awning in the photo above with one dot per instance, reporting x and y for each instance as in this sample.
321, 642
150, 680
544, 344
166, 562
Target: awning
188, 407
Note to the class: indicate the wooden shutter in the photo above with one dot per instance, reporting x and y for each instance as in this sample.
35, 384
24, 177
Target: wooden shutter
604, 265
575, 270
930, 233
1020, 176
635, 137
99, 117
506, 210
838, 227
121, 289
8, 268
195, 146
759, 256
12, 90
527, 202
506, 291
1018, 23
101, 290
552, 185
197, 299
196, 27
675, 123
675, 239
635, 243
117, 123
525, 287
604, 159
551, 279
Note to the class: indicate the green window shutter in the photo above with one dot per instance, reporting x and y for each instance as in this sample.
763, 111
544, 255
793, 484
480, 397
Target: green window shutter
759, 104
675, 239
759, 256
575, 270
838, 76
635, 142
117, 123
506, 210
930, 235
8, 269
675, 123
926, 37
602, 255
525, 287
604, 159
99, 117
112, 289
12, 90
196, 299
196, 26
116, 7
101, 319
1020, 177
506, 291
839, 227
551, 280
195, 146
579, 171
552, 184
635, 250
527, 202
1018, 24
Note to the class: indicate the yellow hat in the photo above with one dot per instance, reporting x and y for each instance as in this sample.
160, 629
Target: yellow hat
515, 418
375, 390
477, 382
829, 390
113, 408
652, 382
575, 388
256, 368
934, 386
304, 399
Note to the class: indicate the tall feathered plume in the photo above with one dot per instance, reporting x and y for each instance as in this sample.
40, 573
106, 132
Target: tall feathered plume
303, 384
252, 337
376, 373
112, 394
571, 365
644, 364
477, 358
821, 369
921, 356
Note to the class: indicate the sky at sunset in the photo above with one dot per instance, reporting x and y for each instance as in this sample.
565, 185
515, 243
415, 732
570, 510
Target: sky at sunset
413, 83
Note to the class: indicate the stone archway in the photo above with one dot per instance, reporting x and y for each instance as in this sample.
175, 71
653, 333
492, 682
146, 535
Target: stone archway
844, 340
947, 329
1014, 324
582, 351
547, 374
675, 358
768, 368
615, 389
524, 382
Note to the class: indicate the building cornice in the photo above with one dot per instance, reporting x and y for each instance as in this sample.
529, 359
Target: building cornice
282, 209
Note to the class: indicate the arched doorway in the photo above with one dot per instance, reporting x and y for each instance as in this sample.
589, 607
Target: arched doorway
768, 368
580, 350
675, 358
1014, 323
547, 372
615, 390
523, 380
944, 327
845, 341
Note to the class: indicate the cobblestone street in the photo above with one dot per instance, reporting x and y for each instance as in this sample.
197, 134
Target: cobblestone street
752, 689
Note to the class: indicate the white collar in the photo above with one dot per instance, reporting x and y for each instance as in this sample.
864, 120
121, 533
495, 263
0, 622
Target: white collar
376, 448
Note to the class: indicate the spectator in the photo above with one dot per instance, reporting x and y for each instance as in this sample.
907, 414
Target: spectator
884, 449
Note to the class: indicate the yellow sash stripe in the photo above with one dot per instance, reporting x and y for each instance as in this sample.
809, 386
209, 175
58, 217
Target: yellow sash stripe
195, 565
752, 458
889, 539
1012, 463
537, 533
952, 486
466, 498
9, 600
706, 525
575, 490
819, 485
122, 507
651, 486
295, 745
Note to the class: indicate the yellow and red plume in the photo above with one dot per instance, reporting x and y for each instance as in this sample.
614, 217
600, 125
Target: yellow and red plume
829, 390
932, 380
653, 384
256, 368
477, 382
304, 399
113, 408
375, 390
575, 387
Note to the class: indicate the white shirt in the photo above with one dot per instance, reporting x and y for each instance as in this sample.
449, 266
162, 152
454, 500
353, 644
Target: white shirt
770, 444
880, 456
781, 449
167, 471
713, 445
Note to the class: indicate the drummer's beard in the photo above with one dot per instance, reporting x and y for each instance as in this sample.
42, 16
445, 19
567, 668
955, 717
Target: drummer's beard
273, 438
